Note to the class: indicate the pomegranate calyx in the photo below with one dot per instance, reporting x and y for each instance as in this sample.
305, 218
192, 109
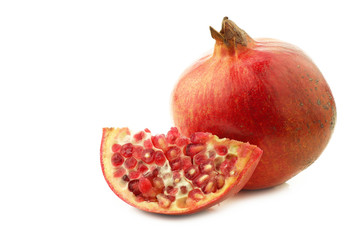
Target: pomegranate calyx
231, 34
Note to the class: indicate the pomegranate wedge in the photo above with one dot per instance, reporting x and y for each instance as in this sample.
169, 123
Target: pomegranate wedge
172, 174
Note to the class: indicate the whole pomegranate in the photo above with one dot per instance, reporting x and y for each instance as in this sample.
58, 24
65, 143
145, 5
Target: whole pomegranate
263, 91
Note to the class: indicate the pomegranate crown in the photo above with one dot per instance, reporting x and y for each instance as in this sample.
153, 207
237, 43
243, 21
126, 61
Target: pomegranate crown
230, 34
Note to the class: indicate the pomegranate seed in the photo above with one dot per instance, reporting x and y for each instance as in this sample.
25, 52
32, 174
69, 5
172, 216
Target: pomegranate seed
172, 190
126, 178
155, 172
173, 153
176, 176
212, 155
117, 159
133, 187
209, 187
183, 189
148, 143
151, 175
140, 198
130, 163
192, 149
220, 181
196, 195
206, 167
144, 185
221, 150
182, 141
148, 156
176, 164
134, 174
119, 173
217, 163
192, 172
172, 135
171, 198
159, 141
226, 167
199, 158
151, 199
139, 136
186, 162
127, 150
116, 147
159, 158
199, 137
232, 158
142, 168
163, 201
202, 180
147, 130
181, 202
158, 183
137, 152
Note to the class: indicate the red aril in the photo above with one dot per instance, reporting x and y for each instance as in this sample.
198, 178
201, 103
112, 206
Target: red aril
168, 180
262, 91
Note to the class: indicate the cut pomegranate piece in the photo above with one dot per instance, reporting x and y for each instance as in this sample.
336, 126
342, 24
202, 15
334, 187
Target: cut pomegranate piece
173, 174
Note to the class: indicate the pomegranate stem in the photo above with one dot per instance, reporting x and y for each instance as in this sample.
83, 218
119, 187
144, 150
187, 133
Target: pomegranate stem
231, 34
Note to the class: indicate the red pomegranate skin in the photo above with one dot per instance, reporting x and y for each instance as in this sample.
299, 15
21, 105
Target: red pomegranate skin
268, 93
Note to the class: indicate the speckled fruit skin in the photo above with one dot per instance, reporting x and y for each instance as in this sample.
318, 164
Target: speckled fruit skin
268, 93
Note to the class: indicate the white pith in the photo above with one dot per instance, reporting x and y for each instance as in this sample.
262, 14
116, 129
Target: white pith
122, 136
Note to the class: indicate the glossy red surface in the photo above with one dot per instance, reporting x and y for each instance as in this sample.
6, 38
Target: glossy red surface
268, 93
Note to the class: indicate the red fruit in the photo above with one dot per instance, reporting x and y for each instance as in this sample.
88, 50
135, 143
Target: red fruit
170, 182
261, 91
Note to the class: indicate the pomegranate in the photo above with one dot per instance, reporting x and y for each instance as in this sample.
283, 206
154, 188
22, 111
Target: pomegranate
262, 91
158, 173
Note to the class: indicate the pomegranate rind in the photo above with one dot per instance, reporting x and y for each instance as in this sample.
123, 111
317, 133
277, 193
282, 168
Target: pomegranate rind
248, 157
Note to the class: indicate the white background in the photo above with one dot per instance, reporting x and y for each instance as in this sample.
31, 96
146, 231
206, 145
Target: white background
69, 68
